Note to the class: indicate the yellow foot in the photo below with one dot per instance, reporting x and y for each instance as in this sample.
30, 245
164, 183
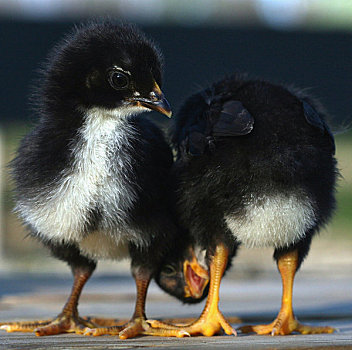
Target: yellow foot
135, 328
61, 324
212, 323
286, 325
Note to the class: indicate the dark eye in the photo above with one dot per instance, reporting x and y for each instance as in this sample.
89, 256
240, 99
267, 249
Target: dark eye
168, 270
118, 80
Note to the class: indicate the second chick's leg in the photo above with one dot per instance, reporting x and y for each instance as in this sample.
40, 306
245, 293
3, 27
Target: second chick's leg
211, 321
286, 322
138, 324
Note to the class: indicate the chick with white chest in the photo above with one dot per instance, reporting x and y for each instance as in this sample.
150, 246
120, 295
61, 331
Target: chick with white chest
91, 179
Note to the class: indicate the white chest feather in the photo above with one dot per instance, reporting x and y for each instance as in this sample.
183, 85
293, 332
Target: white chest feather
93, 180
272, 221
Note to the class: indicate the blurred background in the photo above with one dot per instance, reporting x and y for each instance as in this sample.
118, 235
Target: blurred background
305, 43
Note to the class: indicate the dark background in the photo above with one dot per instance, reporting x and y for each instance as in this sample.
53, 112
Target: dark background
195, 57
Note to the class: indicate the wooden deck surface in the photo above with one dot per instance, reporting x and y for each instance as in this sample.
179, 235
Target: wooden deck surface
320, 300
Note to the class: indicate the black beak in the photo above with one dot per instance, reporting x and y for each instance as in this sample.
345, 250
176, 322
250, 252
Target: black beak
156, 102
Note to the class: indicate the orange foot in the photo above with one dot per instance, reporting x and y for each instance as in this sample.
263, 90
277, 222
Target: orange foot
208, 325
134, 328
286, 324
211, 321
62, 324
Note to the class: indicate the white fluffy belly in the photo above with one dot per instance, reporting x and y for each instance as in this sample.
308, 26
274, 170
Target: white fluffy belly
99, 175
272, 221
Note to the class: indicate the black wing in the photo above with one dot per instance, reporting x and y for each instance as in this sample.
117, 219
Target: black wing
234, 120
314, 119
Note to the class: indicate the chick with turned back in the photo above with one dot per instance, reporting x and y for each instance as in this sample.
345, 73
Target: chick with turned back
255, 167
92, 177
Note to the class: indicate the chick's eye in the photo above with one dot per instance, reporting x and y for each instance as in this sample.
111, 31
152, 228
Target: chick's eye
168, 270
118, 80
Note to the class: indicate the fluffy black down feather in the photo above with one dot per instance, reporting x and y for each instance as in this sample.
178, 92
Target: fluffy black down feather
243, 144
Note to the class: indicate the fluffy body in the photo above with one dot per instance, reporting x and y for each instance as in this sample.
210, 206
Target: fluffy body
93, 199
272, 186
255, 167
92, 175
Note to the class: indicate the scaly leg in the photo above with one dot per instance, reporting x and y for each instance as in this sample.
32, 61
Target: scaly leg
211, 321
286, 323
138, 324
68, 321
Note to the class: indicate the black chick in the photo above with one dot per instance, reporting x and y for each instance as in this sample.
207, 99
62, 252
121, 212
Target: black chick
255, 167
92, 177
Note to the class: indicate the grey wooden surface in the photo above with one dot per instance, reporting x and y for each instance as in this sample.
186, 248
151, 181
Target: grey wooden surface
318, 299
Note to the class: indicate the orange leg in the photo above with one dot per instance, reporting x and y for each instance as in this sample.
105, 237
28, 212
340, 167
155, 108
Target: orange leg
285, 322
211, 321
68, 321
138, 324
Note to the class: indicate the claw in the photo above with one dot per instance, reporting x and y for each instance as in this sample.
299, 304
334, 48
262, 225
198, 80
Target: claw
184, 333
88, 331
